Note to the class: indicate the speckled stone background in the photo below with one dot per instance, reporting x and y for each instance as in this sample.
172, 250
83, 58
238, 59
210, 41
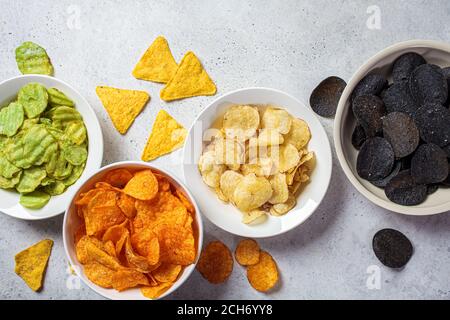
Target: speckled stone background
288, 45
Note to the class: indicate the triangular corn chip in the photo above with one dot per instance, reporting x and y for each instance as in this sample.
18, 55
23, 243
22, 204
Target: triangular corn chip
122, 105
32, 262
190, 80
157, 64
167, 135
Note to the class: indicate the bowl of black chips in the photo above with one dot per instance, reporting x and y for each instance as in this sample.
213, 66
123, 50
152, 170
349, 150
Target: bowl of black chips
392, 128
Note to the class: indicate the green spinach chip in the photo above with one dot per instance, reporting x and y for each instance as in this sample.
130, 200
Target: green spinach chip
31, 58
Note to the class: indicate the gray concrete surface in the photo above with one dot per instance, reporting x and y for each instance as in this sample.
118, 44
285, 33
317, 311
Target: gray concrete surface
288, 45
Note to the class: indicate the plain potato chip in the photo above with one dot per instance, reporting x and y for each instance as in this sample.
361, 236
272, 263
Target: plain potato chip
299, 134
216, 262
143, 186
269, 137
254, 217
262, 167
167, 135
241, 122
32, 262
190, 80
157, 64
276, 119
247, 252
31, 58
280, 188
280, 209
285, 156
228, 183
122, 105
229, 152
252, 192
263, 276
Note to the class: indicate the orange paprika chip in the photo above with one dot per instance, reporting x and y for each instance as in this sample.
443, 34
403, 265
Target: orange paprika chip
167, 272
263, 276
118, 178
247, 252
99, 274
156, 291
216, 262
127, 205
142, 186
128, 278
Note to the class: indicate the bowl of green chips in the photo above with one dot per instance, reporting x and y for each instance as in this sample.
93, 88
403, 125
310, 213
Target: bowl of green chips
50, 142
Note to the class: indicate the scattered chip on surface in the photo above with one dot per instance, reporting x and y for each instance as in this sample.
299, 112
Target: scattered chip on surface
247, 252
190, 80
405, 64
157, 64
263, 276
32, 262
403, 190
325, 97
216, 262
392, 248
375, 159
429, 164
167, 135
369, 110
31, 58
122, 105
372, 84
401, 132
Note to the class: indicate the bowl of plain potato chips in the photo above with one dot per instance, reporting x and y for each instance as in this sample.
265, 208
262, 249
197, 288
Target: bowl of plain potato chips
133, 231
47, 137
258, 162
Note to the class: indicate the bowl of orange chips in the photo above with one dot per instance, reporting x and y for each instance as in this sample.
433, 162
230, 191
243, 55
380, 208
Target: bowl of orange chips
133, 231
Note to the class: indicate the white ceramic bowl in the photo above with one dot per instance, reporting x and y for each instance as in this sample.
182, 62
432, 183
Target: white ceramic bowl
228, 217
72, 222
434, 52
9, 203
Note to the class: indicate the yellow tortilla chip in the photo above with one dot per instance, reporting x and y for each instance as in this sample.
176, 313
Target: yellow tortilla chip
32, 262
157, 64
167, 135
190, 80
122, 105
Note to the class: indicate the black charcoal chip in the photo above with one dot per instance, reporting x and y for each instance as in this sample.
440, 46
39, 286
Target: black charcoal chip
325, 97
401, 132
383, 182
428, 84
446, 182
370, 84
447, 150
446, 72
433, 121
403, 190
358, 137
375, 159
406, 162
369, 111
429, 164
432, 188
392, 248
405, 65
398, 98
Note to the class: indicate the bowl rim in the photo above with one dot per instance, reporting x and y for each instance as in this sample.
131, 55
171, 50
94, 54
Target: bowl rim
342, 109
121, 164
327, 146
96, 125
